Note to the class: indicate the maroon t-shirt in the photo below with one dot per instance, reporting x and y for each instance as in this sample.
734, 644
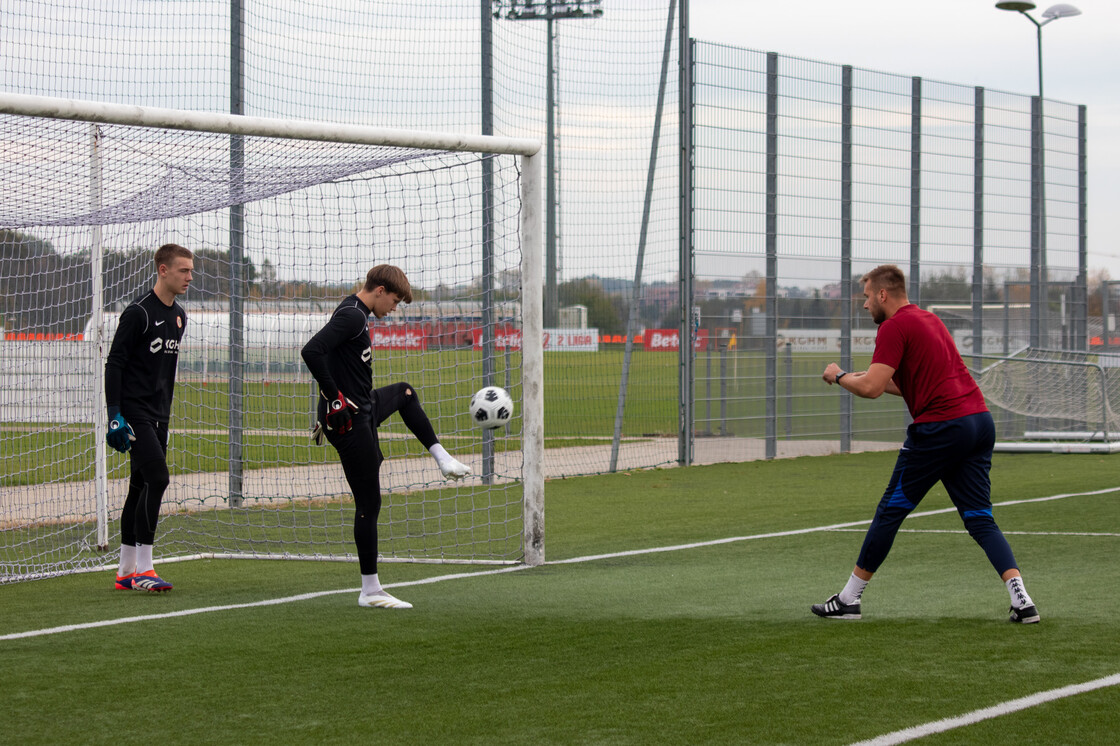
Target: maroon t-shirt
928, 369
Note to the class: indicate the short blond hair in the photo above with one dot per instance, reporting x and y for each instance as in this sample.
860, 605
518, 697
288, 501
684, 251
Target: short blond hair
886, 277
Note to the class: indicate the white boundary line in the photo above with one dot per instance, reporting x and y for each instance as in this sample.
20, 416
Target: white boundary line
515, 568
1005, 533
1004, 708
250, 605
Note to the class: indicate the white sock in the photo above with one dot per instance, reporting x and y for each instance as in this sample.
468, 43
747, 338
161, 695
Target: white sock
144, 558
853, 590
448, 464
127, 564
1018, 593
440, 453
371, 585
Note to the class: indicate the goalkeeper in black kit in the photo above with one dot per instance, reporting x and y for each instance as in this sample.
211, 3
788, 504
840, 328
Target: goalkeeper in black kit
340, 357
139, 385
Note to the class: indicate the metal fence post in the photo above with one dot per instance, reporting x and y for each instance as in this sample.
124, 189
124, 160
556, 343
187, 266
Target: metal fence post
1037, 250
789, 390
686, 357
846, 288
978, 224
236, 259
1081, 328
916, 190
771, 254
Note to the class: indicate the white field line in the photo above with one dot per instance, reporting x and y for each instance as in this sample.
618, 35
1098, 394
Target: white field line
515, 568
1005, 533
253, 604
1004, 708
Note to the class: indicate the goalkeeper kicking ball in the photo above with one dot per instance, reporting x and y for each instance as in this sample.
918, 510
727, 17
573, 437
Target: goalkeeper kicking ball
491, 407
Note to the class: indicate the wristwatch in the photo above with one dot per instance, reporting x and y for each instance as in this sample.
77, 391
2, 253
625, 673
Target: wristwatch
840, 375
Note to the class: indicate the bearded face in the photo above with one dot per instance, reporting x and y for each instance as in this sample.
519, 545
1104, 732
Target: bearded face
873, 304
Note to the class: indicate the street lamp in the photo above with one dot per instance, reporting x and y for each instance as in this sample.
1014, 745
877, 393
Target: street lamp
1038, 169
1052, 13
548, 11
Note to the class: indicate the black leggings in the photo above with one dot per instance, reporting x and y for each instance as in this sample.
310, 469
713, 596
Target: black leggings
361, 458
401, 397
146, 484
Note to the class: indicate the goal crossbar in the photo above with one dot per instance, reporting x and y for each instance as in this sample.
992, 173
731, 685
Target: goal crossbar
237, 124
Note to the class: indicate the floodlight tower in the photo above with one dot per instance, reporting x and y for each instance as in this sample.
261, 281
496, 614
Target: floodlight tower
548, 11
1038, 169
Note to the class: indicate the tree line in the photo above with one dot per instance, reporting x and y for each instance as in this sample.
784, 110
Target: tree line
44, 291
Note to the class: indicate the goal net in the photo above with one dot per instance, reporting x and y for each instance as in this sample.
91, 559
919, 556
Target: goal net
284, 218
1052, 400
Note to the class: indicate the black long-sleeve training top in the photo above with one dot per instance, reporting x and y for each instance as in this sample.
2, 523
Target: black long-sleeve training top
340, 355
143, 359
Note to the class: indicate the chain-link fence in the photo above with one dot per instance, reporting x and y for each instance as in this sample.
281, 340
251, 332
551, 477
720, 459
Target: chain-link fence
802, 176
807, 175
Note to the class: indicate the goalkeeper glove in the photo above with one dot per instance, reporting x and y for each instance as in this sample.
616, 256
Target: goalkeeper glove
120, 434
340, 414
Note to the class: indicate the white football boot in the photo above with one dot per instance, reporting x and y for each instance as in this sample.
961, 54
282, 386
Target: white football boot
382, 600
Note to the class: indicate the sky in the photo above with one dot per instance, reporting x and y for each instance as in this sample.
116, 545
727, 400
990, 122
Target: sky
965, 42
969, 42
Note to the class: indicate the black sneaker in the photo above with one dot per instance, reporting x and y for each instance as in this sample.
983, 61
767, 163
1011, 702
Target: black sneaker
1023, 615
834, 608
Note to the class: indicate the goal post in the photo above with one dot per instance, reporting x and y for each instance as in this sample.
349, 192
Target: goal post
90, 189
1056, 401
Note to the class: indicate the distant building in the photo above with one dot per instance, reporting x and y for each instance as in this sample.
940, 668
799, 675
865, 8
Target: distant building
573, 317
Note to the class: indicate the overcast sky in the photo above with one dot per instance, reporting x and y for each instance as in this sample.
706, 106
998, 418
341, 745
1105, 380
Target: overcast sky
959, 41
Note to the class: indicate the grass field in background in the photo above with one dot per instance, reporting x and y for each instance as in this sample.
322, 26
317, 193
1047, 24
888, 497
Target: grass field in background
581, 391
581, 400
709, 644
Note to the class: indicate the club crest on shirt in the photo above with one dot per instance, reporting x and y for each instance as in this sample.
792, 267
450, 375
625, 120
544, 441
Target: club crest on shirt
179, 321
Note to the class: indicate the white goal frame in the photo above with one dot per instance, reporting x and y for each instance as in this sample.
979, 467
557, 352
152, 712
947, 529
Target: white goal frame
1099, 434
531, 236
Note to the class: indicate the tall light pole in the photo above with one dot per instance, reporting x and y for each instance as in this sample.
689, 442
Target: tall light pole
548, 11
1038, 169
1052, 13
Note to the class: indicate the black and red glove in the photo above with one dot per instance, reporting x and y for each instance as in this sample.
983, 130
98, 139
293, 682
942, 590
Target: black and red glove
340, 414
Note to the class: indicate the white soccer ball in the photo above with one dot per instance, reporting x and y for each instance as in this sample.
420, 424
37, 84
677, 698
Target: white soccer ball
491, 407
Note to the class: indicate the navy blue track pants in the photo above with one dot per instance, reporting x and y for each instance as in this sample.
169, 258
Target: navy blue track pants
958, 453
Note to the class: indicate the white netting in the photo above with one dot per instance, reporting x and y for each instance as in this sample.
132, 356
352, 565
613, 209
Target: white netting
403, 64
245, 477
154, 174
1050, 395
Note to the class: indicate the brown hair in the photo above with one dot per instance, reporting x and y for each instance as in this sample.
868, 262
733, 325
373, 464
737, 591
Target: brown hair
887, 277
169, 251
391, 278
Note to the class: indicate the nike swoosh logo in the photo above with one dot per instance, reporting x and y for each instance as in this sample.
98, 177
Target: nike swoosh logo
158, 323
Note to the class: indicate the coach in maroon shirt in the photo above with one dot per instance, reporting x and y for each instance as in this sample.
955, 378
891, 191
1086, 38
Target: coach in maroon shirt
950, 440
